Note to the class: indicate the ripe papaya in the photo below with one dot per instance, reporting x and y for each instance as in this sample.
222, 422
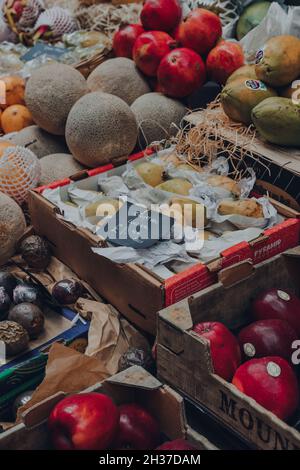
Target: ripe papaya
278, 63
292, 91
241, 96
251, 17
278, 121
246, 71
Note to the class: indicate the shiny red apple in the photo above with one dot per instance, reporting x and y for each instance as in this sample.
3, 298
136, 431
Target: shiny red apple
277, 303
224, 348
149, 49
177, 444
161, 15
268, 338
125, 38
223, 60
138, 430
85, 421
199, 31
181, 72
270, 381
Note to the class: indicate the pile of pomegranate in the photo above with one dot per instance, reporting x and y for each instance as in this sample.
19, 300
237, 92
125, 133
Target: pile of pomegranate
258, 361
180, 54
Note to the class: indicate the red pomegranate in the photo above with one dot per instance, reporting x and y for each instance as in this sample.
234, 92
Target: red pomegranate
223, 60
161, 15
224, 348
181, 72
125, 38
149, 49
277, 303
200, 31
268, 338
271, 382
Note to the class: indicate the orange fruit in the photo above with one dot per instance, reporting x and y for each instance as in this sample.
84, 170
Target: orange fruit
15, 118
4, 144
13, 90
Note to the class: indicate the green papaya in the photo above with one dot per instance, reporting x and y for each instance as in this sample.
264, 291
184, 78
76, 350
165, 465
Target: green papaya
278, 121
241, 96
246, 71
251, 17
278, 63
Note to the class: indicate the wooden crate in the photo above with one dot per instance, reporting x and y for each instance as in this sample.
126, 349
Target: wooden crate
132, 385
184, 359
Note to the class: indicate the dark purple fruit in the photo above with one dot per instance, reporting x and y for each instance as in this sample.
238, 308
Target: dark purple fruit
136, 357
26, 293
35, 252
4, 302
14, 336
8, 281
30, 317
67, 292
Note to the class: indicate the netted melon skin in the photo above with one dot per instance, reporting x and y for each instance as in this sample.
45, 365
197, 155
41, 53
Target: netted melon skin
158, 117
12, 226
100, 128
51, 92
57, 167
40, 142
119, 77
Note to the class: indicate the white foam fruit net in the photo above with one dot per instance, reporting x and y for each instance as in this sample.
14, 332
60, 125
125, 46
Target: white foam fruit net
20, 171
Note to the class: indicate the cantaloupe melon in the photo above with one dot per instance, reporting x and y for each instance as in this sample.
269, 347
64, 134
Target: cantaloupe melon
40, 142
57, 167
119, 77
158, 117
12, 226
51, 92
100, 127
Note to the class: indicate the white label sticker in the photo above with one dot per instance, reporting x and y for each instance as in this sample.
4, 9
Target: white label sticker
249, 349
283, 295
273, 369
255, 85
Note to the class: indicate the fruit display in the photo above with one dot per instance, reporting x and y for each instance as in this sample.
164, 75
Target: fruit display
58, 166
13, 225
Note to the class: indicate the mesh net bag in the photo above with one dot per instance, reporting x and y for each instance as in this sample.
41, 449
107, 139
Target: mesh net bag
228, 10
107, 18
20, 171
59, 20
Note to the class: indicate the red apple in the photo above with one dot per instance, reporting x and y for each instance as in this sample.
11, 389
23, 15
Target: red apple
161, 15
276, 303
224, 348
271, 382
178, 444
181, 72
149, 49
125, 38
138, 430
223, 60
268, 338
85, 421
200, 31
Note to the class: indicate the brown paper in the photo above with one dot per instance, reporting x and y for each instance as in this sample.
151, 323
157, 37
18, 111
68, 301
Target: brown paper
67, 371
110, 336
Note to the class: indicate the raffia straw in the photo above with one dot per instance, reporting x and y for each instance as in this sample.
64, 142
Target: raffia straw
204, 142
107, 18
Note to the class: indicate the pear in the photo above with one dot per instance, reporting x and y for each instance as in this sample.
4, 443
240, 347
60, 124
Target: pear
150, 173
177, 186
